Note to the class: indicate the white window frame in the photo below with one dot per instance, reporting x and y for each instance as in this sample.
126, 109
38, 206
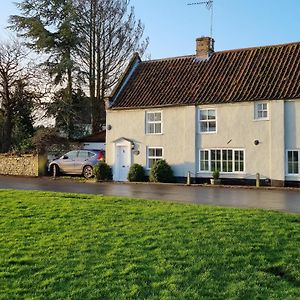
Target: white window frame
147, 122
221, 160
207, 121
204, 160
153, 157
287, 162
257, 110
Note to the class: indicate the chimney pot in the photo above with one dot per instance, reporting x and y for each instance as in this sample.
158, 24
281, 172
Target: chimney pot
204, 47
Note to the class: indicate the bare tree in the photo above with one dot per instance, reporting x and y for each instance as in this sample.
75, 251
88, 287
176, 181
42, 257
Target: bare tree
109, 34
14, 82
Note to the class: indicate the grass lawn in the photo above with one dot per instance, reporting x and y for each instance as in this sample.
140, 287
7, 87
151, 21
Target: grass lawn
68, 246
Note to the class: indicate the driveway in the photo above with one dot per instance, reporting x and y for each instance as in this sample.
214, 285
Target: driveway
273, 199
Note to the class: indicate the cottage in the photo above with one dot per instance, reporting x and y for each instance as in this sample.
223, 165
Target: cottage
236, 111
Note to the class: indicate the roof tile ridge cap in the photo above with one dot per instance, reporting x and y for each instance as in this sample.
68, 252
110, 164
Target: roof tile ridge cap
258, 47
169, 58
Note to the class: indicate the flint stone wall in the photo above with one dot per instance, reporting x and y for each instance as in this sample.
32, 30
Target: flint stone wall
23, 165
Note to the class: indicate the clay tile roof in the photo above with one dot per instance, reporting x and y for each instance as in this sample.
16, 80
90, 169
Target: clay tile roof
261, 73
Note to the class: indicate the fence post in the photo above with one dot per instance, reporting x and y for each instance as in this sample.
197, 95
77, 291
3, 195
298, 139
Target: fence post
188, 180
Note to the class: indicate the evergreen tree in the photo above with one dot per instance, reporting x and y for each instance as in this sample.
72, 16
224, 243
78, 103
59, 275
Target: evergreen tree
49, 27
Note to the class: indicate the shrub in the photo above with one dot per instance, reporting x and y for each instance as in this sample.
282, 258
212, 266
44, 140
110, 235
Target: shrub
102, 171
216, 174
161, 172
136, 173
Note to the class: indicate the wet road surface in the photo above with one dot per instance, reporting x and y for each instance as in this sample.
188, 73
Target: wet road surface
274, 199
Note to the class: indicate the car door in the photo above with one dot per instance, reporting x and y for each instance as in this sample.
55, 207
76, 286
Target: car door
67, 162
80, 161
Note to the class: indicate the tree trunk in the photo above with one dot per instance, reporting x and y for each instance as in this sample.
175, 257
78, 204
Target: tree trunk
7, 132
92, 67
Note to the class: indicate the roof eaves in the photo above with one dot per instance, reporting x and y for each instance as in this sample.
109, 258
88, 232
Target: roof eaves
153, 106
135, 60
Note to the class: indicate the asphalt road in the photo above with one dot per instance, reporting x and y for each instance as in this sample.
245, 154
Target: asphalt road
271, 199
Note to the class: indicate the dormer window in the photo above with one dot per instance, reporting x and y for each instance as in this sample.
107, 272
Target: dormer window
154, 122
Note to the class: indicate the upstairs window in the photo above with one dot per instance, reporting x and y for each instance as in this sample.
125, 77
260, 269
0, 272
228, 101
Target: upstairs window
261, 111
207, 120
154, 122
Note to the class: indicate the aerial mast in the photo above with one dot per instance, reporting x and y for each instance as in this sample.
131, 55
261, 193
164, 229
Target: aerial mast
210, 6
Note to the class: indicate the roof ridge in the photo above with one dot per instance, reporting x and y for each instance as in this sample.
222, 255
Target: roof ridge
169, 58
258, 47
221, 51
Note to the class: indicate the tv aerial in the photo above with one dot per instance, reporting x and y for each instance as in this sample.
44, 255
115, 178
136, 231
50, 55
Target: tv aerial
210, 6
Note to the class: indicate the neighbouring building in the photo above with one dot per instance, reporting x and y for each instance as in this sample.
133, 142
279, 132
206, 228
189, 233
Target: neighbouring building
94, 141
237, 111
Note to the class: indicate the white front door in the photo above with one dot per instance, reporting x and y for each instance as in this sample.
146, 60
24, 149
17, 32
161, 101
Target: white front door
122, 162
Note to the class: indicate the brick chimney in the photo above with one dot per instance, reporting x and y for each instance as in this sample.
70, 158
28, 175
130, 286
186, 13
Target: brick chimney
204, 47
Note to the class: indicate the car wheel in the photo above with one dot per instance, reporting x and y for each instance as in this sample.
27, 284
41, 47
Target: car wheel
54, 170
88, 172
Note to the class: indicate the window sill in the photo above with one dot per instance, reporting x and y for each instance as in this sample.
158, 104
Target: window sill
207, 132
261, 119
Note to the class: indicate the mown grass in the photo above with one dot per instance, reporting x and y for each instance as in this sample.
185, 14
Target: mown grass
67, 246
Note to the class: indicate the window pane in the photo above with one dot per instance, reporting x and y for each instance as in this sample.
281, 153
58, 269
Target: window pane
159, 152
212, 126
91, 154
211, 114
157, 128
83, 154
151, 152
236, 166
296, 156
150, 117
72, 154
241, 167
203, 166
157, 117
203, 127
203, 114
213, 154
151, 128
236, 155
151, 162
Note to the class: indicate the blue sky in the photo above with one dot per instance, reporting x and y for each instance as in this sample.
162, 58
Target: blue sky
173, 26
